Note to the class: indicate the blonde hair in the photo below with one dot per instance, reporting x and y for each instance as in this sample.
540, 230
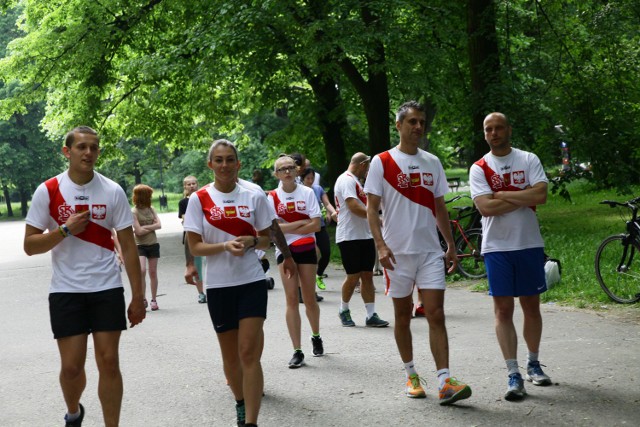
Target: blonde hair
184, 181
142, 196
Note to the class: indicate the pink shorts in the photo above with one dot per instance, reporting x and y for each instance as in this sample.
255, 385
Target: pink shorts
425, 270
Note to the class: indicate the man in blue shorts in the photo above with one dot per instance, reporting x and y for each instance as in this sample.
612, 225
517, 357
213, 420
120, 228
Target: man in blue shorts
506, 185
80, 208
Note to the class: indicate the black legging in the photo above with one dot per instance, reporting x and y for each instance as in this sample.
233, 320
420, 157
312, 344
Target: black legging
324, 244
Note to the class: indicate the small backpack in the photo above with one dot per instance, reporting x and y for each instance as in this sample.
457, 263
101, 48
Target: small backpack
552, 271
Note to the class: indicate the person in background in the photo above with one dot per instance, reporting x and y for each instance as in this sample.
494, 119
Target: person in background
145, 224
316, 177
357, 249
409, 184
506, 185
80, 208
299, 216
226, 223
323, 242
193, 270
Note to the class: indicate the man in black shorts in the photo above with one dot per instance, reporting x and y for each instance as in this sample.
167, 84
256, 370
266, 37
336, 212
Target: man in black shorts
355, 241
80, 208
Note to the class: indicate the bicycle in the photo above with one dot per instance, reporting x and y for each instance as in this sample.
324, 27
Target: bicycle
617, 273
468, 240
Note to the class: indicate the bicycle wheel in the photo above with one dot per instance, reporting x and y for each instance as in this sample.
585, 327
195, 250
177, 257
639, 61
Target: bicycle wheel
470, 261
617, 271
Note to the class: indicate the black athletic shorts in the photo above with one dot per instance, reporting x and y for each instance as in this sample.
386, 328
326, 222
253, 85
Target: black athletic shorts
227, 306
83, 313
149, 251
358, 255
306, 257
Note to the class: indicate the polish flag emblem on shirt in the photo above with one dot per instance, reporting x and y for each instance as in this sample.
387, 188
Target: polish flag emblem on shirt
415, 179
99, 211
302, 205
244, 211
291, 206
518, 177
230, 212
427, 178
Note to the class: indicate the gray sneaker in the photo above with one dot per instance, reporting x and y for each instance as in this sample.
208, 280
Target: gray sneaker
376, 322
536, 375
516, 390
345, 317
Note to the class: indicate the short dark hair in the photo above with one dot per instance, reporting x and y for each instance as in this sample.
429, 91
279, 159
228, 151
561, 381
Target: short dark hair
402, 111
298, 158
70, 137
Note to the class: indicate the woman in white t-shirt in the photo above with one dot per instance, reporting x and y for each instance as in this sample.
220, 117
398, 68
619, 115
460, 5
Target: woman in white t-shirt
299, 218
145, 224
225, 222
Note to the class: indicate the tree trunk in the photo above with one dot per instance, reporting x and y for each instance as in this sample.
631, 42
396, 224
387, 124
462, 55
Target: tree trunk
24, 202
332, 121
484, 64
7, 198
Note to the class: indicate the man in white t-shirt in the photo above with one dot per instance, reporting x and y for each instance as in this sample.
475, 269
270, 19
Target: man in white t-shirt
354, 240
506, 185
80, 208
409, 184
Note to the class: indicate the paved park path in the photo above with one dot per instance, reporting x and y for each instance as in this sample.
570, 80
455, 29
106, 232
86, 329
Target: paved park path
173, 376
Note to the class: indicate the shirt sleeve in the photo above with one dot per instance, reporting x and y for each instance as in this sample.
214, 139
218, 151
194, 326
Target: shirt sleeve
38, 214
193, 217
536, 171
478, 182
122, 216
373, 184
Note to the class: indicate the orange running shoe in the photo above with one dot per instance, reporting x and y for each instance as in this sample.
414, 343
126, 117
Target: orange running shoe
414, 386
453, 391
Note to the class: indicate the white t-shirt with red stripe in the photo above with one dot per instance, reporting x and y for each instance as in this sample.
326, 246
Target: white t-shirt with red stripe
85, 262
301, 203
219, 217
514, 230
408, 185
350, 226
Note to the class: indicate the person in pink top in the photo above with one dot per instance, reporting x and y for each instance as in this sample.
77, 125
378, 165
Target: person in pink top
80, 208
409, 184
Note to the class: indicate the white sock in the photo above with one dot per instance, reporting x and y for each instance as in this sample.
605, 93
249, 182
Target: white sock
72, 417
443, 374
410, 368
371, 309
532, 357
512, 366
344, 306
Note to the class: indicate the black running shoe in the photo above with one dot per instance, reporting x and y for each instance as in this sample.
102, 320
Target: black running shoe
318, 348
78, 421
297, 360
240, 412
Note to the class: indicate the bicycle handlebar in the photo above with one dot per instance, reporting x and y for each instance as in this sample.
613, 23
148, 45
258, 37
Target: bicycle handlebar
628, 204
456, 198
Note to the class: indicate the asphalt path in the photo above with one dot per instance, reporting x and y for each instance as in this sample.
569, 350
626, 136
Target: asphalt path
173, 376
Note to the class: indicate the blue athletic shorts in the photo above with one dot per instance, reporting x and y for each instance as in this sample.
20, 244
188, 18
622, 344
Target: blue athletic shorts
516, 273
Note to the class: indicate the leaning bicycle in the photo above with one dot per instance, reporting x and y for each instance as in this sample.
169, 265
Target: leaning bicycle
617, 266
468, 240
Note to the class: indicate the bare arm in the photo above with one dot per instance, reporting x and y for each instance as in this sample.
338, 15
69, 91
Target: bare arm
137, 228
277, 237
332, 214
385, 255
36, 241
311, 227
156, 225
503, 202
530, 196
136, 311
295, 226
442, 221
356, 208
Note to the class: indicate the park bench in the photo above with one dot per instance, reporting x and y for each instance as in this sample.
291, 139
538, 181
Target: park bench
454, 183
